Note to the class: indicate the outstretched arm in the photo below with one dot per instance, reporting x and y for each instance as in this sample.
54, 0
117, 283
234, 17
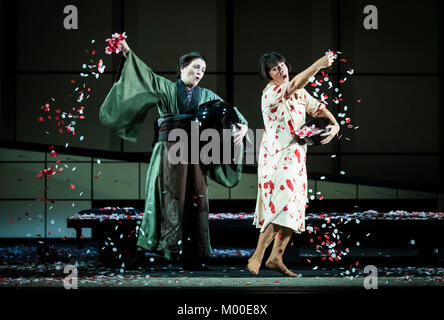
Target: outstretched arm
301, 79
123, 46
136, 91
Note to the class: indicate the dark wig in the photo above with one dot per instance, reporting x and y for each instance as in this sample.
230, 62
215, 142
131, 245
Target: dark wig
187, 58
268, 61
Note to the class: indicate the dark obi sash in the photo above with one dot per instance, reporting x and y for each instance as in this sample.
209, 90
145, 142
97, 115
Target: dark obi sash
163, 125
215, 114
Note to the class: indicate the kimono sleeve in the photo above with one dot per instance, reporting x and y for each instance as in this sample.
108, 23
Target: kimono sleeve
227, 175
312, 106
137, 90
274, 95
212, 96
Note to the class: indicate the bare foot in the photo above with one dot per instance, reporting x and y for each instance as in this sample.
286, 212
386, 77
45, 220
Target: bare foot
254, 266
278, 265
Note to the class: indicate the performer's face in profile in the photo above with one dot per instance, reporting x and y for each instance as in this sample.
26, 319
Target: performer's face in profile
279, 73
193, 73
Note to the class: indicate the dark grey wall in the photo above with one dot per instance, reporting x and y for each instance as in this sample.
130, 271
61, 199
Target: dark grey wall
396, 70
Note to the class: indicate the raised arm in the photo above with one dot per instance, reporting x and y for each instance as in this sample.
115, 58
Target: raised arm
301, 79
137, 89
123, 46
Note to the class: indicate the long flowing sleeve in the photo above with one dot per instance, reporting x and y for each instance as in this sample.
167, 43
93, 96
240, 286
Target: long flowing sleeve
312, 106
227, 175
209, 95
136, 90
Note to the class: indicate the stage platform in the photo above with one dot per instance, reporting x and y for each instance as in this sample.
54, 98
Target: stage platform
333, 289
20, 266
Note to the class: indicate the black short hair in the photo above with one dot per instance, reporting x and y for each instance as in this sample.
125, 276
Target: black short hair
268, 61
187, 58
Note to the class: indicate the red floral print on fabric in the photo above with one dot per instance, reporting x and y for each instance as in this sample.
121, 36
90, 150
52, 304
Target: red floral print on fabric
272, 207
298, 155
289, 184
290, 125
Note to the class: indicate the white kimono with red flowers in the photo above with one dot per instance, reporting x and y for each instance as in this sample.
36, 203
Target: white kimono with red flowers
282, 176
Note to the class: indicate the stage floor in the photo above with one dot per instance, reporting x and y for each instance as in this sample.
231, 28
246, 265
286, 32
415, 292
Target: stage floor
20, 267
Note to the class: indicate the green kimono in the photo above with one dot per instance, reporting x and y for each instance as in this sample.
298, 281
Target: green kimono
176, 205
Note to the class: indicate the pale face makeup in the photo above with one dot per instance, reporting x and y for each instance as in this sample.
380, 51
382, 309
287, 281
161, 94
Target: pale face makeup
193, 73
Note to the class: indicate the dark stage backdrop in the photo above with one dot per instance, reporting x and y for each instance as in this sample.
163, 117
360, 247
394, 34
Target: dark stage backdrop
397, 70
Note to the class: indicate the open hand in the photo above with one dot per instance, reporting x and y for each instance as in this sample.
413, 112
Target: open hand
334, 129
240, 134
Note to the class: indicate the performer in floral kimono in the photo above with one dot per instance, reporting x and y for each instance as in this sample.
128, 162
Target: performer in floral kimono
175, 221
282, 176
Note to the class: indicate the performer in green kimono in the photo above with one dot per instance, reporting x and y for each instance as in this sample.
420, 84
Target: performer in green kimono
175, 222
